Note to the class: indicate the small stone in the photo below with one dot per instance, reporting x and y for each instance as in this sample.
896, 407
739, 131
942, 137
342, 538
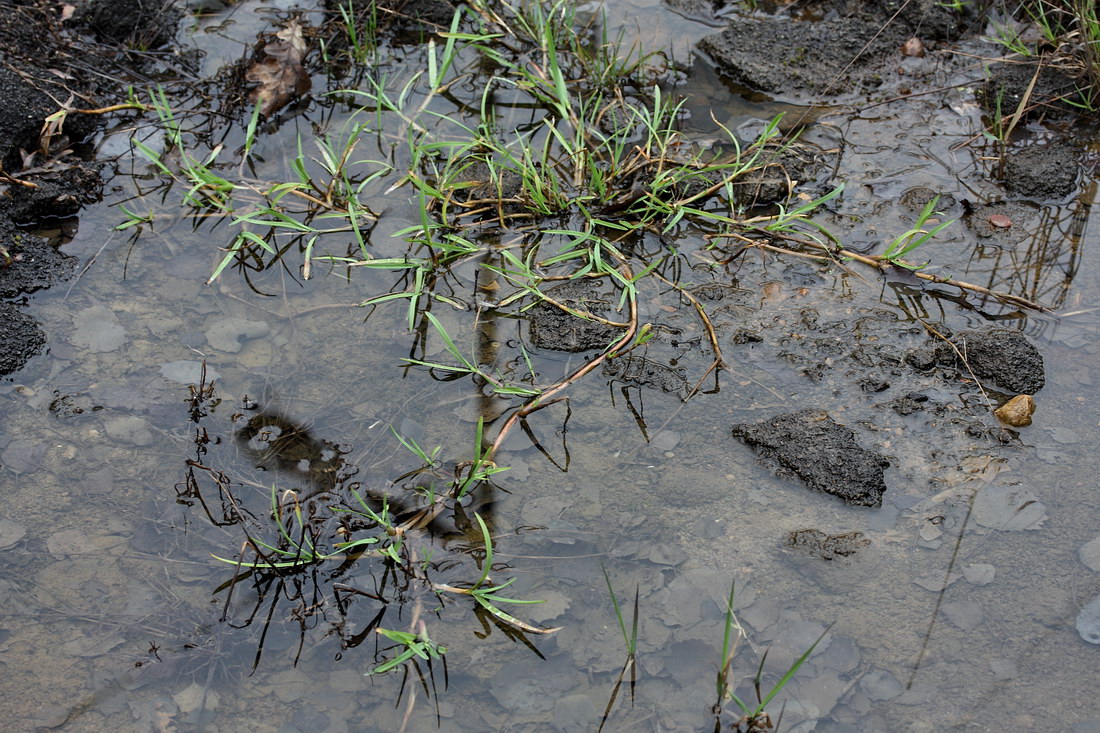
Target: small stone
1089, 554
69, 542
226, 334
347, 680
187, 371
190, 698
979, 573
574, 713
880, 685
1000, 221
97, 329
1003, 669
1088, 621
938, 583
1017, 412
964, 614
930, 532
22, 455
913, 47
129, 429
10, 533
665, 440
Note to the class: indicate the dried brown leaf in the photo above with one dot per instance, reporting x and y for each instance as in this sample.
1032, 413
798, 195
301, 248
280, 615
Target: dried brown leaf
278, 73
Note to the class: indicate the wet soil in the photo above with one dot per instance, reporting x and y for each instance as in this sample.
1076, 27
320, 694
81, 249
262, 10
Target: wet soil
847, 48
812, 446
553, 327
48, 66
1004, 358
20, 338
677, 511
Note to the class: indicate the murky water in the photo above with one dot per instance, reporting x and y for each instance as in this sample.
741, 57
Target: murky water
117, 455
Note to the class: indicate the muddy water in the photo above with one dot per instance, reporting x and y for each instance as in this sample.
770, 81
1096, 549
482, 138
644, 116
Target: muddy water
958, 614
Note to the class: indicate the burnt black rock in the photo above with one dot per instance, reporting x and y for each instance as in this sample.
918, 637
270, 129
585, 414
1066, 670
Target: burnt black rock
999, 356
20, 338
810, 445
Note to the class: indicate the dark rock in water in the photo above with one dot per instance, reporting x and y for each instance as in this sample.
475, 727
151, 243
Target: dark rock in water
1088, 621
20, 338
808, 444
794, 57
873, 384
1042, 172
35, 264
553, 328
827, 546
1003, 357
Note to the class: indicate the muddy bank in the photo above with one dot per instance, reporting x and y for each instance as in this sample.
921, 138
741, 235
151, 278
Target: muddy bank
55, 60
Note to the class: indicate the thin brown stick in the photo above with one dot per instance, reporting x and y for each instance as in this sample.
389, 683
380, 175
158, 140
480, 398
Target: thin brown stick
586, 315
6, 178
113, 108
883, 265
711, 335
536, 402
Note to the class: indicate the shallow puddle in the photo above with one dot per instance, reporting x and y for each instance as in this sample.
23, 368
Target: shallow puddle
174, 419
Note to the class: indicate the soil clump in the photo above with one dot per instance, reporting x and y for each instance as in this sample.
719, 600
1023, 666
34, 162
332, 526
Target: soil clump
1044, 172
35, 264
816, 58
810, 445
49, 71
139, 24
1003, 357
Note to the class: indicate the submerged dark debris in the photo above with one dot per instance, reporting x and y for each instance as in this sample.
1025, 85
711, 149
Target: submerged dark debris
810, 445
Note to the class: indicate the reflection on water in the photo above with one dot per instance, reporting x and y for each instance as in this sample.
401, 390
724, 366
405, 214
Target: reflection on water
128, 460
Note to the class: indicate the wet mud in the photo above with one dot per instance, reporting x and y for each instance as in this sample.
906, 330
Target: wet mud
901, 425
813, 447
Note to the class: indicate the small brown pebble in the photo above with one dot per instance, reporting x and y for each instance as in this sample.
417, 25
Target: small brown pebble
913, 47
1000, 221
1017, 411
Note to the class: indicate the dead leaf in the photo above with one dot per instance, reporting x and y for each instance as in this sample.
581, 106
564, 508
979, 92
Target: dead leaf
52, 124
279, 73
67, 11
